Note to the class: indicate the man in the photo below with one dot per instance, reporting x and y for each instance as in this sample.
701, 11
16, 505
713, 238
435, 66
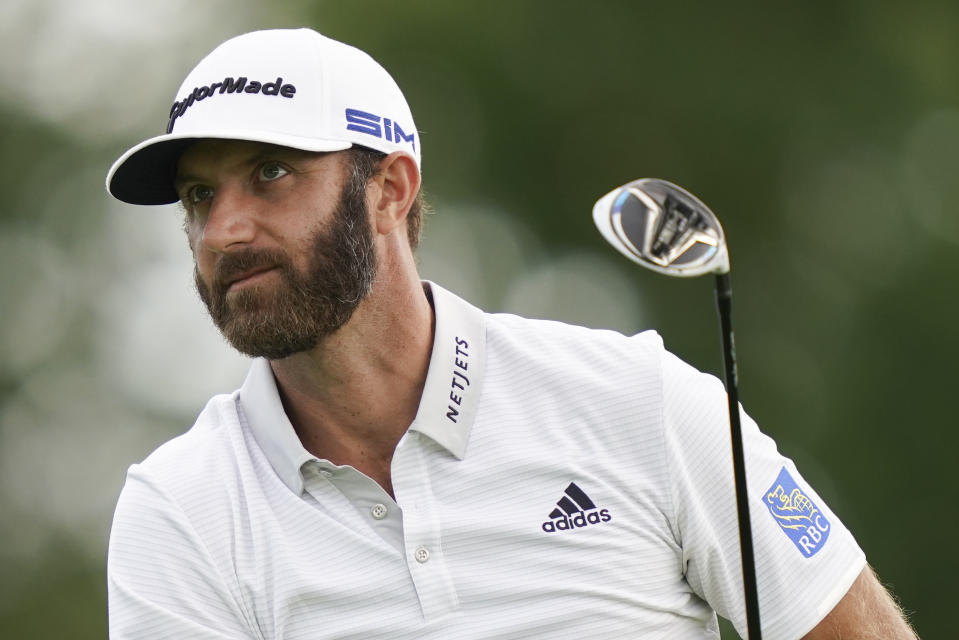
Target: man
399, 464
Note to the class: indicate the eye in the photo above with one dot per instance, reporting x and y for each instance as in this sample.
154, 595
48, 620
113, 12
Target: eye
270, 171
198, 193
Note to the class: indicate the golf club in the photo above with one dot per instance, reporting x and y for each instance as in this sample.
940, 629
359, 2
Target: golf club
669, 230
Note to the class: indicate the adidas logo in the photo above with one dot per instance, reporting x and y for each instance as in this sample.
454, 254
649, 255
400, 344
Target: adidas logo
574, 510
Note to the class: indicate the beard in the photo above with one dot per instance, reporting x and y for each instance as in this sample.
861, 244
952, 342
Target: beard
304, 308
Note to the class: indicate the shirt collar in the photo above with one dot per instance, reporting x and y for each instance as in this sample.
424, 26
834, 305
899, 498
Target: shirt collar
454, 380
447, 407
260, 403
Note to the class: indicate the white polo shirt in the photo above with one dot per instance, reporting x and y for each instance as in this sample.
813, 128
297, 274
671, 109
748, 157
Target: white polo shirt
557, 482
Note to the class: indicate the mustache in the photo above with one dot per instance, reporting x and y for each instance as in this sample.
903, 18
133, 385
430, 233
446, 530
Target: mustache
233, 266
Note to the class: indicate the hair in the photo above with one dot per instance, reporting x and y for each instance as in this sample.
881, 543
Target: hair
364, 163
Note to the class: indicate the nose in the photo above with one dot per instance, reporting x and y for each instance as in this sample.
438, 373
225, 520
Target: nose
230, 221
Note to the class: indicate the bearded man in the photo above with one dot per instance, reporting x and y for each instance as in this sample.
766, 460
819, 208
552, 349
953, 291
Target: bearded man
400, 464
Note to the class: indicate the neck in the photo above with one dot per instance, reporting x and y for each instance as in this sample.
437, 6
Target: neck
353, 397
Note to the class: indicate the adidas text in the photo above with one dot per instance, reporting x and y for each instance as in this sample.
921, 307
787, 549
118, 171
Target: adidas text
580, 519
229, 85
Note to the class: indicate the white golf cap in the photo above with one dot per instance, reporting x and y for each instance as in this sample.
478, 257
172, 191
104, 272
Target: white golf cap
289, 87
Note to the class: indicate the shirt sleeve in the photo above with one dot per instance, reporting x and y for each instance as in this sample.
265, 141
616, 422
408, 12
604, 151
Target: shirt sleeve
162, 582
806, 559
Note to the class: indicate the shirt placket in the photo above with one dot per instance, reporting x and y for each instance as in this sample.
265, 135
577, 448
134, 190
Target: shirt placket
422, 529
356, 499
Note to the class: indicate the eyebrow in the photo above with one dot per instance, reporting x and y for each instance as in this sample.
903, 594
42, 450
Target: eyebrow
180, 179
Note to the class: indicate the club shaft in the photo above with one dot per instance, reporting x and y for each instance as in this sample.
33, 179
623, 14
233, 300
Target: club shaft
724, 297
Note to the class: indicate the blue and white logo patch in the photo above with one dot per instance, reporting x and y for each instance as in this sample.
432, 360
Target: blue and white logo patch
797, 515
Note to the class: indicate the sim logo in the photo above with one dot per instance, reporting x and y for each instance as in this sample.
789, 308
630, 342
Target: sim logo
379, 127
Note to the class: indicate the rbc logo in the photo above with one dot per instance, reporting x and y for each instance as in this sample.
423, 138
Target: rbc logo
369, 123
797, 515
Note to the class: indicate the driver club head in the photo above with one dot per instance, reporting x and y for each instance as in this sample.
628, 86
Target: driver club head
662, 227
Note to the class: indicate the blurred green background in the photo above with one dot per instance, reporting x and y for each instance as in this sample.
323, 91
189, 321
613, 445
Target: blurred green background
824, 135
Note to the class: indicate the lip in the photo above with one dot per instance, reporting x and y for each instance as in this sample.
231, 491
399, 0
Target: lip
247, 277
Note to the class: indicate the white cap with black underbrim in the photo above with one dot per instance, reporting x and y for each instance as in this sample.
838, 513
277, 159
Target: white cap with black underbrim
290, 87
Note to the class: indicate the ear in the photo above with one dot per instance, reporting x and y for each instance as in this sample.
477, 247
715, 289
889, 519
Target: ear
399, 182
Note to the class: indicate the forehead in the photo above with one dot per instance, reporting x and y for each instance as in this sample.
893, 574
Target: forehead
212, 154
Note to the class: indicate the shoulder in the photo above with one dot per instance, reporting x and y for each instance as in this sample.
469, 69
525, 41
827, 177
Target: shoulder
186, 495
191, 471
579, 376
188, 455
172, 554
559, 343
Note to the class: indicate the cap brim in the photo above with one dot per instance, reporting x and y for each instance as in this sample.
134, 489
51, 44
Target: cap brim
145, 173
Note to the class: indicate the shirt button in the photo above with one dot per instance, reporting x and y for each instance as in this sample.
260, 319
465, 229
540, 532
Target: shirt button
422, 555
378, 511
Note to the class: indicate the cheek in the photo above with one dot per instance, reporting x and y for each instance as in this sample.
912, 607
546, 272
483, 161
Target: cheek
203, 260
301, 255
195, 249
191, 231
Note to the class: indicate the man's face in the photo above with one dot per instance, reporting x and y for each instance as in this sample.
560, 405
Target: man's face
282, 243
